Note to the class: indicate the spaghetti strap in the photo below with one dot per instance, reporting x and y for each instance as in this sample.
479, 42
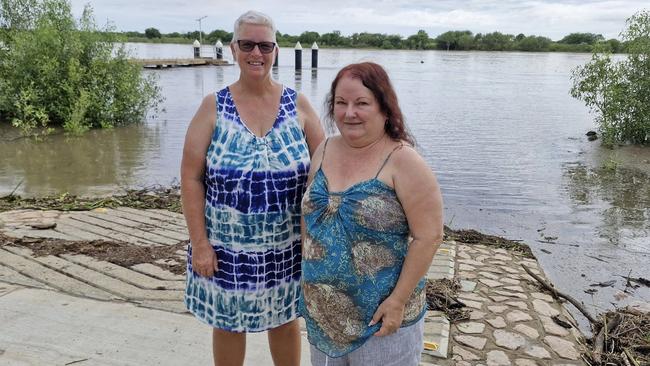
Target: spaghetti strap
323, 157
387, 158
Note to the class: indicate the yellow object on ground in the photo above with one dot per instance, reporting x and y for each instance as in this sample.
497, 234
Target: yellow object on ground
430, 346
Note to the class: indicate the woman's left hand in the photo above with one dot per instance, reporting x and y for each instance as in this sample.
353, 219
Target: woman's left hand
391, 313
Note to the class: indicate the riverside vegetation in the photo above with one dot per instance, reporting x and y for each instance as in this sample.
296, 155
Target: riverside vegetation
463, 40
619, 91
59, 71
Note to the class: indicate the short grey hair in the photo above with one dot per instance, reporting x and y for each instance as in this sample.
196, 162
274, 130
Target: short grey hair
255, 18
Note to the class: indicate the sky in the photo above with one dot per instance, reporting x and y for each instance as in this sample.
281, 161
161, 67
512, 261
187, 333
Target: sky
553, 19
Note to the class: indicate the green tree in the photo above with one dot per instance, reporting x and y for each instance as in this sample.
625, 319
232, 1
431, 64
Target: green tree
217, 34
614, 45
285, 39
195, 35
57, 71
582, 38
533, 44
619, 91
455, 40
333, 38
134, 34
495, 41
307, 38
418, 41
392, 41
174, 35
152, 33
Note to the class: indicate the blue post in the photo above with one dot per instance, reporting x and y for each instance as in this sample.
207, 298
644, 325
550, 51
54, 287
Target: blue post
314, 56
298, 51
218, 50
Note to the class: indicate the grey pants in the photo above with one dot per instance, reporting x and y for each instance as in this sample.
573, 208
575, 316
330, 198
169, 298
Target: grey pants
402, 348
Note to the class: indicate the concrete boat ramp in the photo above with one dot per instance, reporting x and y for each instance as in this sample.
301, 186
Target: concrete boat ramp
78, 309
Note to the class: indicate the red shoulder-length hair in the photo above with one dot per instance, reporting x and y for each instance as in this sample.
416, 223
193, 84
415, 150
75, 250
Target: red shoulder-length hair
375, 78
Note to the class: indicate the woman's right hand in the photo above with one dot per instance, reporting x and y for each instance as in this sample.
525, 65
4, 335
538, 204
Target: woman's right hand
204, 259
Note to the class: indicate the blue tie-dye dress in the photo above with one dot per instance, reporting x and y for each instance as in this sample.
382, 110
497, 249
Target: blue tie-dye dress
254, 186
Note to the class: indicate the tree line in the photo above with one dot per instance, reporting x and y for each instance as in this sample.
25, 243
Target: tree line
463, 40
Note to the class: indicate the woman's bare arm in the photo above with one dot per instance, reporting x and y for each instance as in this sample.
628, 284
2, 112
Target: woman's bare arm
418, 191
197, 141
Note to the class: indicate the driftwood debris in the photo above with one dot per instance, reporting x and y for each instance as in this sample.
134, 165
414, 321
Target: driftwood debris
599, 342
167, 198
562, 323
14, 190
441, 295
622, 336
558, 294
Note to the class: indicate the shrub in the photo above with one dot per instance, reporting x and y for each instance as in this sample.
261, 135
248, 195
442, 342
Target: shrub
60, 72
619, 92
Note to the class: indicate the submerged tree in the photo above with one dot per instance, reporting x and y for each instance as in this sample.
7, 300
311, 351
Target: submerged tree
59, 71
619, 91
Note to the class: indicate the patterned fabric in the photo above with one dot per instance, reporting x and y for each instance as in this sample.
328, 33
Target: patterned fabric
355, 244
254, 186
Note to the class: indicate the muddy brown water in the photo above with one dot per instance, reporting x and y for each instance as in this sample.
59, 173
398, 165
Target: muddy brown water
500, 129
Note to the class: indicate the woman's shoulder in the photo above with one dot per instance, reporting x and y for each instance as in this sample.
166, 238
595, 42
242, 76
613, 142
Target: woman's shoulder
405, 157
209, 101
223, 91
289, 90
221, 96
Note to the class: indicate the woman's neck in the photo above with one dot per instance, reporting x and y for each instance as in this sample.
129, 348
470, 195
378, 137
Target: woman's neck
256, 87
368, 147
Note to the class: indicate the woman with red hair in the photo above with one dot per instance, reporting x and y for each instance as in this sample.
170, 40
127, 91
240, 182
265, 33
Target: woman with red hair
372, 222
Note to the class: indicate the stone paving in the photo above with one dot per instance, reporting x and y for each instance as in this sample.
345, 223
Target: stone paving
510, 321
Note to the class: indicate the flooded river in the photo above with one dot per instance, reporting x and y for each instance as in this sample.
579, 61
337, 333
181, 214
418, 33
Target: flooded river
500, 129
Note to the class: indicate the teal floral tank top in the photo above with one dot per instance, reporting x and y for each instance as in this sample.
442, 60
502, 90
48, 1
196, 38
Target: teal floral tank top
354, 246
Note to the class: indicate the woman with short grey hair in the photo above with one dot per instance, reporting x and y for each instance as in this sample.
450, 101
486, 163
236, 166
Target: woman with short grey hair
244, 170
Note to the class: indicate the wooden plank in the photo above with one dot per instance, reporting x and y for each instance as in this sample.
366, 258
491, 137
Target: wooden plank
175, 215
108, 235
160, 229
179, 61
168, 216
35, 270
157, 272
35, 233
143, 218
149, 217
9, 275
64, 227
124, 274
136, 232
100, 280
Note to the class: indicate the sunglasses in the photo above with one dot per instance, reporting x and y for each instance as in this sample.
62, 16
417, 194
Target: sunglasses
249, 46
